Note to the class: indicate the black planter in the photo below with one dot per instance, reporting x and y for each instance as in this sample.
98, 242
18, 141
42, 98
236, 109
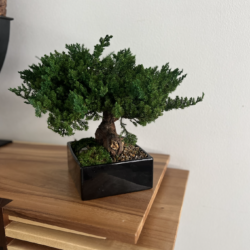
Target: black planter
4, 142
4, 40
4, 37
110, 179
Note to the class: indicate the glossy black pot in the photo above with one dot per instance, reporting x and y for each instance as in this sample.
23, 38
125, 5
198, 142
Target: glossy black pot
110, 179
4, 37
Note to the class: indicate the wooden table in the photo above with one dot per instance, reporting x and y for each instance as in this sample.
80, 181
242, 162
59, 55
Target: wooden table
45, 207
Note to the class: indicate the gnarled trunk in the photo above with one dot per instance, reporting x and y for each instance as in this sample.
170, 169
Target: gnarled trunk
107, 136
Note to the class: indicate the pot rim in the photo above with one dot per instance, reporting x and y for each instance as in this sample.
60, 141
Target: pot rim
149, 158
7, 18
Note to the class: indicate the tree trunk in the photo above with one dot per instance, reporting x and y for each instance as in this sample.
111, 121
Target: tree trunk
107, 136
3, 4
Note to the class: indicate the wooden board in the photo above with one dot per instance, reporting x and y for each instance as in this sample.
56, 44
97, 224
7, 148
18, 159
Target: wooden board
36, 178
34, 223
24, 245
159, 232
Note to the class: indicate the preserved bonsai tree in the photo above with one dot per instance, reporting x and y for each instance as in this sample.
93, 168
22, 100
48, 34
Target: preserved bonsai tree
79, 86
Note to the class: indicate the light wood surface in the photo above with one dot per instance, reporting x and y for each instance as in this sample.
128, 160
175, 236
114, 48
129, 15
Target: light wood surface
34, 223
159, 232
24, 245
36, 179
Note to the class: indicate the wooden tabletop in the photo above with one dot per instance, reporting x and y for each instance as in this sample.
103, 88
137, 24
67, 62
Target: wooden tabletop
159, 232
36, 179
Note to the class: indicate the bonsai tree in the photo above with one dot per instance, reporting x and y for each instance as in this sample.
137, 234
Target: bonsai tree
79, 86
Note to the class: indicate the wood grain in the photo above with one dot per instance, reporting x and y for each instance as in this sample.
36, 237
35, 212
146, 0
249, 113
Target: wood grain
36, 178
3, 9
24, 245
34, 223
4, 221
159, 232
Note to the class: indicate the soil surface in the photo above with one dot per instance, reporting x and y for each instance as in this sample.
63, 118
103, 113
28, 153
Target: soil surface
130, 152
90, 153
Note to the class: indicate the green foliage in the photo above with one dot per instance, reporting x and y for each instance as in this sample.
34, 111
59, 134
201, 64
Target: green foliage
128, 137
78, 145
78, 86
94, 154
181, 102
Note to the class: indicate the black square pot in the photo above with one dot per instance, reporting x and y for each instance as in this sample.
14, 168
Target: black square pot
109, 179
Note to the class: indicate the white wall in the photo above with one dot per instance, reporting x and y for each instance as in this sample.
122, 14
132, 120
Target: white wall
210, 41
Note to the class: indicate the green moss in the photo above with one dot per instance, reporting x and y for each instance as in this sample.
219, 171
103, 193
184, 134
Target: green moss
78, 145
94, 154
